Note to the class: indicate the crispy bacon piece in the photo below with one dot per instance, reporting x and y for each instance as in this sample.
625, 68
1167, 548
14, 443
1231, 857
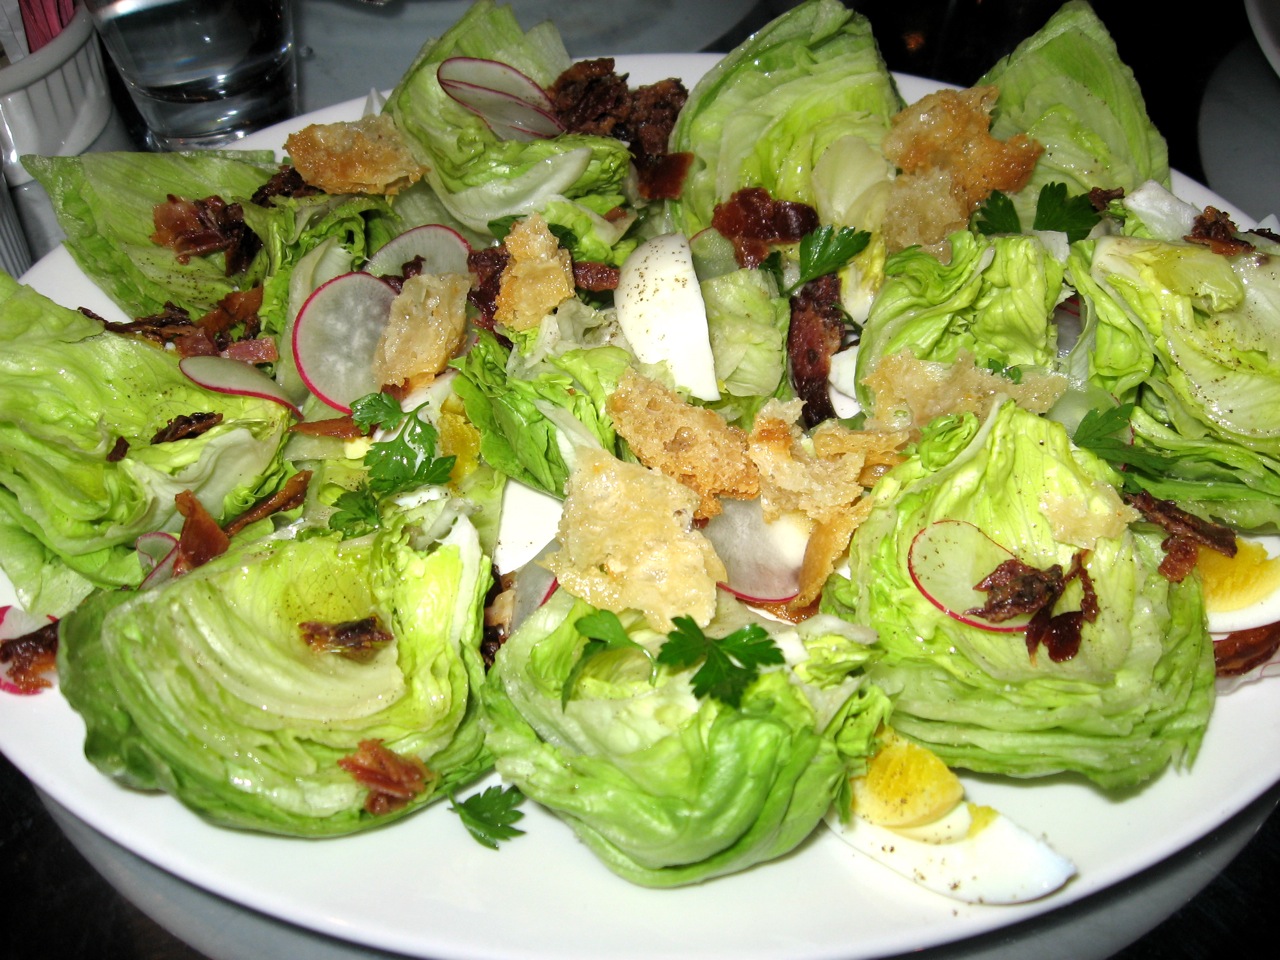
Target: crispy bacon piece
285, 182
816, 332
486, 268
118, 450
654, 109
594, 276
196, 228
1100, 198
590, 97
290, 496
1215, 230
30, 657
209, 335
353, 639
1238, 653
754, 221
393, 780
201, 538
236, 308
662, 177
252, 352
1186, 532
185, 426
341, 428
1015, 588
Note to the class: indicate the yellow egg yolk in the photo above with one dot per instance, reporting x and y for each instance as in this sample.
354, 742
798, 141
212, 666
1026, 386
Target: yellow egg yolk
1231, 583
905, 785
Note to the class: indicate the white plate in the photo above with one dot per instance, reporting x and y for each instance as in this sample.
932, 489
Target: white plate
1264, 18
423, 887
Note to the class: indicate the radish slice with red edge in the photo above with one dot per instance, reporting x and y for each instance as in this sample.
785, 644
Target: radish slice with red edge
533, 585
947, 558
762, 560
336, 335
234, 377
16, 622
157, 552
508, 101
442, 251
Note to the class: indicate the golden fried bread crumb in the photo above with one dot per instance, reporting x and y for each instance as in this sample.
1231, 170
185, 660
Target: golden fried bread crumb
537, 280
693, 445
909, 392
824, 479
360, 156
950, 163
426, 329
627, 541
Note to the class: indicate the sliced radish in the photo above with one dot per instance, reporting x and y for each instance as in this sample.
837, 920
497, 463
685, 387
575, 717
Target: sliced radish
224, 375
762, 559
946, 559
16, 622
508, 101
157, 552
533, 585
442, 251
336, 335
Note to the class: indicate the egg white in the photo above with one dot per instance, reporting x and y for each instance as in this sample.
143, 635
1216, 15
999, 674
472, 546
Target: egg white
999, 863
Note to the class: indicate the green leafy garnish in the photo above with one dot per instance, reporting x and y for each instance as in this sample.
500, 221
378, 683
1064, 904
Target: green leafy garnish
404, 461
1097, 433
1074, 216
376, 410
729, 664
826, 250
489, 815
997, 215
1011, 373
604, 631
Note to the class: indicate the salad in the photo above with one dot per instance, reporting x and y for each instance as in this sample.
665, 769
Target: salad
888, 443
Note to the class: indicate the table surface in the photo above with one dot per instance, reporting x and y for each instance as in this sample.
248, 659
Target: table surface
55, 904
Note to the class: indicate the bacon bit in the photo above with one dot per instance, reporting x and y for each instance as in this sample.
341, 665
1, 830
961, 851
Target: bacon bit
30, 657
1238, 653
196, 228
165, 327
252, 352
1185, 530
340, 428
285, 182
591, 98
393, 780
753, 220
1215, 230
201, 538
1101, 198
356, 640
662, 177
595, 277
236, 308
1268, 234
186, 426
486, 267
118, 450
1015, 588
91, 315
289, 497
815, 334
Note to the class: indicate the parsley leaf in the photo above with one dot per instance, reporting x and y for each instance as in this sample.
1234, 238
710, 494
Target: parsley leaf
408, 459
502, 226
489, 815
357, 512
826, 250
1097, 433
1011, 373
1074, 216
376, 410
729, 664
997, 215
604, 631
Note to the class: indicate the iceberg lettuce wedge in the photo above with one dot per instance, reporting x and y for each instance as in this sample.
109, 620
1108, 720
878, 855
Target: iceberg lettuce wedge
204, 686
1137, 694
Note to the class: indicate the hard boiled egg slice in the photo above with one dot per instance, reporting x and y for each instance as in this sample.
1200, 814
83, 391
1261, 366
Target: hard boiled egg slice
908, 814
974, 854
662, 314
1242, 592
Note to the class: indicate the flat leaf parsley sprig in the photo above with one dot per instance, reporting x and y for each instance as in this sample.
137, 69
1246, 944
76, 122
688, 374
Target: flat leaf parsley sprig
729, 664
